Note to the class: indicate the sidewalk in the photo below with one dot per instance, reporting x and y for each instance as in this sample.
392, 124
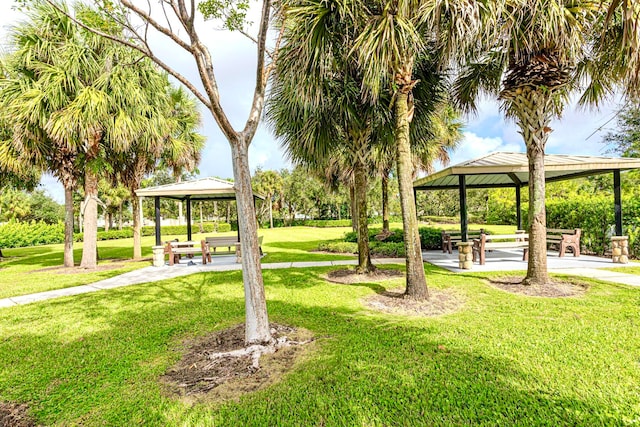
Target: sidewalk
155, 274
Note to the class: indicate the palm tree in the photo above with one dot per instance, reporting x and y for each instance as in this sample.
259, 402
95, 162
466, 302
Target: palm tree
268, 183
394, 38
541, 53
445, 133
75, 97
320, 115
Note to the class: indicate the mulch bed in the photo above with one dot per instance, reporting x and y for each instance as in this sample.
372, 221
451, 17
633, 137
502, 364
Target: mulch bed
15, 415
197, 377
555, 289
349, 276
393, 301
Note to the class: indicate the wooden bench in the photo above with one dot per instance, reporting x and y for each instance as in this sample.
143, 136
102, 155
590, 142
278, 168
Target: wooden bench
175, 249
228, 242
449, 237
563, 239
499, 241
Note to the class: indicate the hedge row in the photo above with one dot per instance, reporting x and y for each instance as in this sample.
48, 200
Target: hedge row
595, 216
430, 237
21, 234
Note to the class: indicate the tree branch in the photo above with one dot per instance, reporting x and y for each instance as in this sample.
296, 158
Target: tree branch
258, 95
146, 51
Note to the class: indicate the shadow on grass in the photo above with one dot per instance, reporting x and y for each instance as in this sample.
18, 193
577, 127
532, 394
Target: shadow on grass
96, 359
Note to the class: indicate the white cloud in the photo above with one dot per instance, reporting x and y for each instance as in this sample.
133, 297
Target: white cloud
474, 146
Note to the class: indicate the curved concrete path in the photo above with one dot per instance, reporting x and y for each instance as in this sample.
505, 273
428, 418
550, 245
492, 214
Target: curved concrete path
155, 274
223, 263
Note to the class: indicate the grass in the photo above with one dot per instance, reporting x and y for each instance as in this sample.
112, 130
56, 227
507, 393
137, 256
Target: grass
503, 359
29, 270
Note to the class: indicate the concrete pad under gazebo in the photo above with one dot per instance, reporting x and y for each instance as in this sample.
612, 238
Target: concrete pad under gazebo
187, 191
501, 169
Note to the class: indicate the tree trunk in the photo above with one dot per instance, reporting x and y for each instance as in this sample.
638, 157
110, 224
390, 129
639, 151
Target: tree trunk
120, 219
257, 321
416, 281
107, 221
533, 110
360, 193
385, 203
137, 227
354, 209
68, 227
90, 245
270, 213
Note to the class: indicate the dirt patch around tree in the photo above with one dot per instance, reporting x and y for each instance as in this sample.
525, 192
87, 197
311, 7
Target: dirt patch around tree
393, 301
349, 276
113, 265
210, 369
15, 415
554, 289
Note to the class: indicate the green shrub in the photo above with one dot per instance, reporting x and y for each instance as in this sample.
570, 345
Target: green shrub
20, 234
390, 249
395, 236
223, 227
339, 247
430, 237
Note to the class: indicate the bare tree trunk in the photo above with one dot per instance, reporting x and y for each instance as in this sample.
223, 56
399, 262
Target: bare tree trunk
270, 213
385, 203
68, 227
90, 245
120, 219
107, 221
416, 285
90, 214
360, 193
257, 322
228, 217
137, 227
354, 208
533, 110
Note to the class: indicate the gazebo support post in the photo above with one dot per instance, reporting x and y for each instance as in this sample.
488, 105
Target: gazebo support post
518, 208
617, 201
189, 233
463, 208
157, 209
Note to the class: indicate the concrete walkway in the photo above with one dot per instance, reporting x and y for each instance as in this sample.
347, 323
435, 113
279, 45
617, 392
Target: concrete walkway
511, 260
584, 266
155, 274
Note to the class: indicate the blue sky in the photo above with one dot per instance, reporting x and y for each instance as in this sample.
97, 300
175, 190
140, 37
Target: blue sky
234, 61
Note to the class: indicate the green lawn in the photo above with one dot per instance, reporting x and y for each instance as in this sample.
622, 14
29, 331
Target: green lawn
33, 269
502, 359
30, 270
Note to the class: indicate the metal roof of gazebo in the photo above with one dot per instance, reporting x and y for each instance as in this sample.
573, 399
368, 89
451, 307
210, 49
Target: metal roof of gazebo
198, 189
503, 169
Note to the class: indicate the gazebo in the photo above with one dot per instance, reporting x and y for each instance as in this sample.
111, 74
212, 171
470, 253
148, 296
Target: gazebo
199, 189
501, 169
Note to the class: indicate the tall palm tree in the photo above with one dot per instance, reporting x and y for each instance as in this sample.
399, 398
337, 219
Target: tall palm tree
75, 97
445, 133
542, 52
394, 38
320, 113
